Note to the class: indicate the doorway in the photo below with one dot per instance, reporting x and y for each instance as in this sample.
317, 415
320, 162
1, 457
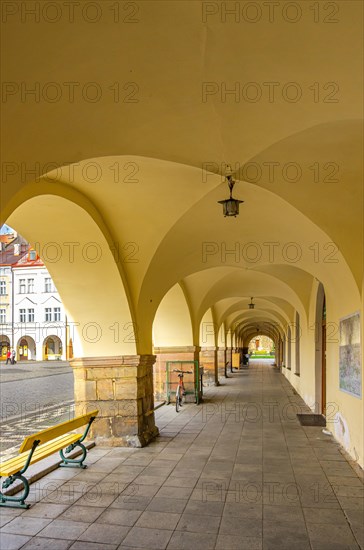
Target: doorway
320, 352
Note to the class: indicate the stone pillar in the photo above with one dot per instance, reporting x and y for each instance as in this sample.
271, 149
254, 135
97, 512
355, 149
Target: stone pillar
229, 357
165, 354
221, 362
121, 388
208, 360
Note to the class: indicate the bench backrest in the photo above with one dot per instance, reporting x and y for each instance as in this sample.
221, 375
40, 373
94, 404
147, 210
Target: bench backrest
51, 433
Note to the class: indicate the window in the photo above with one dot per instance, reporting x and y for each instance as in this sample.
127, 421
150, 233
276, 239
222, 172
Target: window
2, 288
32, 255
48, 314
57, 314
2, 316
22, 315
21, 286
31, 315
30, 285
47, 284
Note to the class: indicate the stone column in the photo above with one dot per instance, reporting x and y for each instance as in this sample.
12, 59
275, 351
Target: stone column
221, 361
121, 388
208, 360
229, 356
165, 354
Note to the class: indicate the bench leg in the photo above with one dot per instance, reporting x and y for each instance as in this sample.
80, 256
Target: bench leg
72, 462
19, 501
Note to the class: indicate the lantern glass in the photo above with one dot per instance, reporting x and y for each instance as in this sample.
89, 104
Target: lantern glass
230, 207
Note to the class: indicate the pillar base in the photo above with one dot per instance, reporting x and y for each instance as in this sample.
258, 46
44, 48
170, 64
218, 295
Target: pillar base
208, 359
221, 363
121, 388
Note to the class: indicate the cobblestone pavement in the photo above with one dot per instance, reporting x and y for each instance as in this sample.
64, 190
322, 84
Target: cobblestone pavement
13, 433
237, 472
32, 369
34, 396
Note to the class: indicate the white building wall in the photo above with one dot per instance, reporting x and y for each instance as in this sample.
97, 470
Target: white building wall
38, 299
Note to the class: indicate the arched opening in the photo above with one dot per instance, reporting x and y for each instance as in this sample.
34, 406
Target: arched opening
4, 346
297, 345
52, 348
26, 349
208, 354
261, 347
289, 348
320, 351
172, 337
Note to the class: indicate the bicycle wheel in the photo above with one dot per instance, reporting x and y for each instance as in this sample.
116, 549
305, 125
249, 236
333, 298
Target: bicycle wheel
178, 398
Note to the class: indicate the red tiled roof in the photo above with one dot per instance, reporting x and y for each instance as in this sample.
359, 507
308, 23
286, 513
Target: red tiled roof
8, 258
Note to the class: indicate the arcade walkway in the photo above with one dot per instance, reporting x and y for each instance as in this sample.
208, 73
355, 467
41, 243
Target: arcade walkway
238, 472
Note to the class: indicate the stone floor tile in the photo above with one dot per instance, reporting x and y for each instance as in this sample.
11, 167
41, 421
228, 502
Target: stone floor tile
351, 503
12, 542
333, 546
68, 530
285, 536
283, 514
95, 499
118, 516
41, 543
86, 545
163, 520
197, 524
240, 526
87, 514
324, 515
183, 540
25, 526
172, 492
324, 532
233, 542
134, 489
131, 502
148, 538
105, 533
158, 504
143, 479
175, 481
204, 508
338, 481
46, 510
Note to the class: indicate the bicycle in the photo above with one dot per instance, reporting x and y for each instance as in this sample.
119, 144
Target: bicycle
180, 391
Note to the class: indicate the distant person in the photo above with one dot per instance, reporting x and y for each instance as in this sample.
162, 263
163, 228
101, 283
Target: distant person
8, 357
13, 357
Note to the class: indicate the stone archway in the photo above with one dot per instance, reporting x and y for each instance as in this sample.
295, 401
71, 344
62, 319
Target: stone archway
52, 348
4, 346
320, 351
26, 349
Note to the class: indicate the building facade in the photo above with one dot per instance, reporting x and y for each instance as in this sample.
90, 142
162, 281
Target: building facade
32, 317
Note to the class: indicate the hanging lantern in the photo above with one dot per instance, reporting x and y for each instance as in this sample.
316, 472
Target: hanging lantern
230, 206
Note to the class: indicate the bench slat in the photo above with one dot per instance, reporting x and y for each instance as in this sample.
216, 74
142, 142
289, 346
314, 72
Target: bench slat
52, 433
13, 465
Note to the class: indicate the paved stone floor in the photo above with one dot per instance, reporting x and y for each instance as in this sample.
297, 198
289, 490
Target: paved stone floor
238, 472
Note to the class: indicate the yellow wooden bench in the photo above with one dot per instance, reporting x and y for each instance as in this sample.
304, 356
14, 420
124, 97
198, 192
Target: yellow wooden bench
41, 445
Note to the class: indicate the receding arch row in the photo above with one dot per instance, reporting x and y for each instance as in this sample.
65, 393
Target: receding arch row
133, 280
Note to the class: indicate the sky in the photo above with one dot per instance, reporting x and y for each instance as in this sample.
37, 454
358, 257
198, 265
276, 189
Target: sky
6, 229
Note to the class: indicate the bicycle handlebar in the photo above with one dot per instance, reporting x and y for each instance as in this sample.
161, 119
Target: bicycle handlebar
183, 371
